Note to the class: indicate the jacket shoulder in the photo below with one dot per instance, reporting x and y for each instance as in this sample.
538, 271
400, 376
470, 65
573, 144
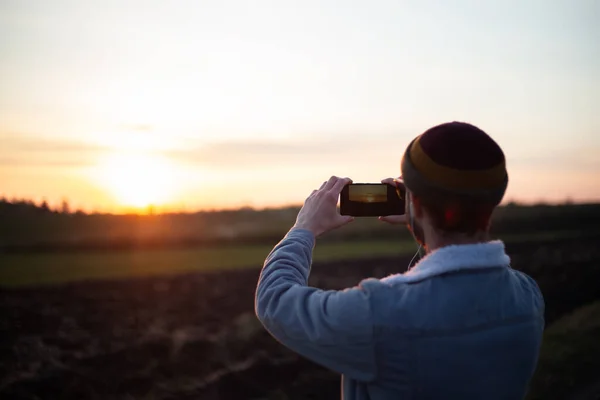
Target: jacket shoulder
454, 301
529, 286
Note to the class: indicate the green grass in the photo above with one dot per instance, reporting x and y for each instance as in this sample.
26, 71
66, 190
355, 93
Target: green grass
570, 355
17, 270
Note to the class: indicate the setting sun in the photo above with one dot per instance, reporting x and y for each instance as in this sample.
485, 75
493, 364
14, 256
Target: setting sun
138, 180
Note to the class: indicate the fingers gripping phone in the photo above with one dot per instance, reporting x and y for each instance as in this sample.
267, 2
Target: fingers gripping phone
372, 199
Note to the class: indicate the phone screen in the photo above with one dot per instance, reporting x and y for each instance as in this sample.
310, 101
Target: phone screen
371, 200
368, 193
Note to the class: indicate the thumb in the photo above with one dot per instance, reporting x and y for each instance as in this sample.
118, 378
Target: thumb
345, 219
394, 219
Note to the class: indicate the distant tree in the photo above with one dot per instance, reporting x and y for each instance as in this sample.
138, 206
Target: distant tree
569, 201
65, 208
44, 206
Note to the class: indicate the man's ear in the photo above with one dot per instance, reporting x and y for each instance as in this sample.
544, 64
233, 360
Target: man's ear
417, 207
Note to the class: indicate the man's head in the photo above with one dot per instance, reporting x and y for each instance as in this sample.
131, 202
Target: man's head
455, 175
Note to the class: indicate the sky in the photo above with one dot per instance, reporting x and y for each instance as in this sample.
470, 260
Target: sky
217, 104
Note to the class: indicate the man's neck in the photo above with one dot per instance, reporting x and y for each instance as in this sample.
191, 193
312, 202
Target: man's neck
434, 240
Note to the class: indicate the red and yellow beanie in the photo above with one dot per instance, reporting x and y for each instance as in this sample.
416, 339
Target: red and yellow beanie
455, 159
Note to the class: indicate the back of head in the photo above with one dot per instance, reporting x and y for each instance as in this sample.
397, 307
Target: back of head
458, 173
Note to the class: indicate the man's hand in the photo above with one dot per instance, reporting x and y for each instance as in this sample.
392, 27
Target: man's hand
394, 219
319, 213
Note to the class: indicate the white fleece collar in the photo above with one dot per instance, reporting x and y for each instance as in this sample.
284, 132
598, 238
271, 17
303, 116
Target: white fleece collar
455, 258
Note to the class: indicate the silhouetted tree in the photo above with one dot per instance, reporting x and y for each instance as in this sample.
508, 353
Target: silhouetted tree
65, 208
44, 206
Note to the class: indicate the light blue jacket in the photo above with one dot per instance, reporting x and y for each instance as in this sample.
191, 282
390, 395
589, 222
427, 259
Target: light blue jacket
461, 324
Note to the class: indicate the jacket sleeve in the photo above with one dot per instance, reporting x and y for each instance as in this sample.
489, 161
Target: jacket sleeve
331, 328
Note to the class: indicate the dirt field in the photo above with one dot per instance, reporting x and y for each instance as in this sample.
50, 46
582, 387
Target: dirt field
195, 336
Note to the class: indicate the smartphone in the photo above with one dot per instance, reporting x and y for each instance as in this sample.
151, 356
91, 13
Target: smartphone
372, 200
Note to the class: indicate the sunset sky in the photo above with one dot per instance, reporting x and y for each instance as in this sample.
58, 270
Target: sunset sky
211, 104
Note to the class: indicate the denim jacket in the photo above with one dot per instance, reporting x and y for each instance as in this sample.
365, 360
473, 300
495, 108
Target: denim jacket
461, 324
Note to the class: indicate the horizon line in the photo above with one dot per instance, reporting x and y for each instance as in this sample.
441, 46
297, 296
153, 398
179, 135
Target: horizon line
154, 210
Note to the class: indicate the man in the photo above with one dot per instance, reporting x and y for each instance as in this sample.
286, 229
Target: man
461, 324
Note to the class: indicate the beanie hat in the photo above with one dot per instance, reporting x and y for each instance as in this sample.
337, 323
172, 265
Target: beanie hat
455, 160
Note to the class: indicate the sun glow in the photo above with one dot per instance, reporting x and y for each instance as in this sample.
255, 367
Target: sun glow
139, 180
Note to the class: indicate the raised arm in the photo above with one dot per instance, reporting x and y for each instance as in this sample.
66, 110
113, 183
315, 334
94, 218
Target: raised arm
331, 328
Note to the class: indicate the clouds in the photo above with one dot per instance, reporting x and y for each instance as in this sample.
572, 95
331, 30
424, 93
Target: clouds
302, 151
225, 155
31, 151
251, 154
42, 144
574, 160
9, 162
